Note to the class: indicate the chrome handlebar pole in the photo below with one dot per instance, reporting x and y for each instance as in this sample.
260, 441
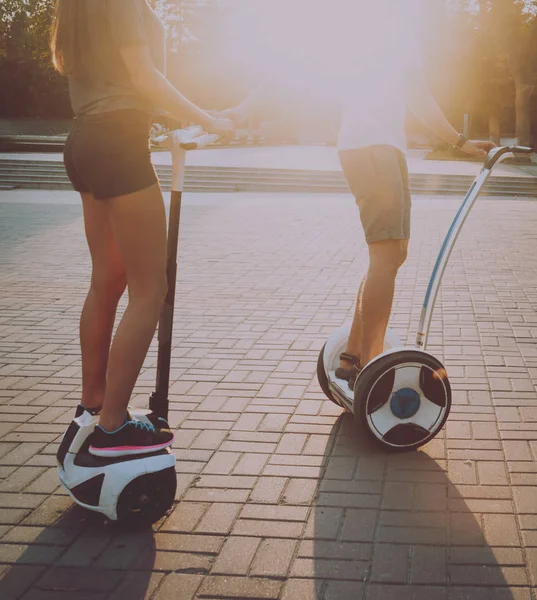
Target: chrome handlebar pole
494, 157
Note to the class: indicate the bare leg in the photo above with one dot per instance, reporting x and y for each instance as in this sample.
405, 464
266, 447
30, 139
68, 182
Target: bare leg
139, 224
108, 282
385, 258
354, 345
374, 301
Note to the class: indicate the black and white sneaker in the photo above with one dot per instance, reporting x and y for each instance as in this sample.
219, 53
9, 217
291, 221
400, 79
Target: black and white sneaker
133, 437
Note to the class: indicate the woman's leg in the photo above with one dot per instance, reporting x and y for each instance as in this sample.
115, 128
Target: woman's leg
138, 222
108, 283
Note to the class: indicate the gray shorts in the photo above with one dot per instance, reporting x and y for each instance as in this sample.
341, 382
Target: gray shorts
378, 178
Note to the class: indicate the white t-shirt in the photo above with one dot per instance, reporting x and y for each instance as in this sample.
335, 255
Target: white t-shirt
374, 76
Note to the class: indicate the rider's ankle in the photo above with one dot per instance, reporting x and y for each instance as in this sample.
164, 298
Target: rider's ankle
111, 423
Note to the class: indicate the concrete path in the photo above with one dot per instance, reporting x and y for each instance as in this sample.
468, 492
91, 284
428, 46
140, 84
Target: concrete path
279, 497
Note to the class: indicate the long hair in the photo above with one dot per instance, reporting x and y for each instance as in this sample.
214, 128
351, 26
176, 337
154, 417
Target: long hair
65, 36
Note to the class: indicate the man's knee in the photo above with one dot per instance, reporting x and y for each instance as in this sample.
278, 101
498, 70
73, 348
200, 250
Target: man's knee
388, 255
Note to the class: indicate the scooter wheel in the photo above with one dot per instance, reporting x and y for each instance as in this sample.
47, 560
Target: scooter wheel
323, 378
147, 498
402, 399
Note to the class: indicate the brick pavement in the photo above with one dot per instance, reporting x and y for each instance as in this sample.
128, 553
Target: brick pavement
278, 497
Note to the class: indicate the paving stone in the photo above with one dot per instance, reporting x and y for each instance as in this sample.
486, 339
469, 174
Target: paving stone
20, 478
273, 558
77, 579
305, 589
501, 530
487, 575
16, 579
278, 513
236, 556
391, 563
428, 565
329, 569
176, 586
359, 525
272, 528
492, 473
462, 472
32, 554
325, 523
185, 516
49, 511
268, 490
338, 590
238, 587
219, 518
486, 556
489, 593
141, 585
525, 499
179, 542
398, 592
85, 549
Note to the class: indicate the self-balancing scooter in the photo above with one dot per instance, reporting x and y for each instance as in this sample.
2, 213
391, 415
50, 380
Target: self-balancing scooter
135, 490
402, 398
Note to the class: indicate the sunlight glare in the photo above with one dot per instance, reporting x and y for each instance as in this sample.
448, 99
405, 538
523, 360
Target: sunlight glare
314, 48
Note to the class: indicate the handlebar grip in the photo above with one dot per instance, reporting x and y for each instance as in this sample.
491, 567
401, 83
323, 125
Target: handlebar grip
521, 150
495, 154
200, 141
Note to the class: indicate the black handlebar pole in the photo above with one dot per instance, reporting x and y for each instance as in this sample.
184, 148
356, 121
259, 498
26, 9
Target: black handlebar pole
189, 139
159, 402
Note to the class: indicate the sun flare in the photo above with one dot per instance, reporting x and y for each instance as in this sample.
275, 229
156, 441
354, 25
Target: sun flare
311, 48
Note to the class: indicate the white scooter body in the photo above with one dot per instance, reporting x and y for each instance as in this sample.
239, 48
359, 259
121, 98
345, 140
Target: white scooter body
97, 483
335, 345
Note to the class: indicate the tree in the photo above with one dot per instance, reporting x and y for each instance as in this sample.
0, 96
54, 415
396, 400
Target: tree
510, 29
30, 85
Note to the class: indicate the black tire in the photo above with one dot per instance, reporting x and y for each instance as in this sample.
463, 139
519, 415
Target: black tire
147, 498
374, 372
323, 379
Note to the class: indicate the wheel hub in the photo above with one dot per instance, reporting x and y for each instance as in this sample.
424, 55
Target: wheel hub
405, 403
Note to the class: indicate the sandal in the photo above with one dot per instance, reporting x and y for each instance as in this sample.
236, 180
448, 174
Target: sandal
349, 374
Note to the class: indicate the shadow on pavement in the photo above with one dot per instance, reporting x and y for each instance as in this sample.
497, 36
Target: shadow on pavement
392, 526
78, 556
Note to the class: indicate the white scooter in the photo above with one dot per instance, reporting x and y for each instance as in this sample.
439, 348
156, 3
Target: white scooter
402, 398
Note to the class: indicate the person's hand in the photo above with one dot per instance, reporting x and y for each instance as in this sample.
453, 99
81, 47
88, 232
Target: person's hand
220, 125
478, 148
237, 115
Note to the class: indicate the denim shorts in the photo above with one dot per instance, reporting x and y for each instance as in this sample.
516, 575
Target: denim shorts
378, 179
108, 155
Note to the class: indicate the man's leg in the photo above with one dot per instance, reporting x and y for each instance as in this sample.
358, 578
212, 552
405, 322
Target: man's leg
378, 178
374, 301
385, 258
354, 345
